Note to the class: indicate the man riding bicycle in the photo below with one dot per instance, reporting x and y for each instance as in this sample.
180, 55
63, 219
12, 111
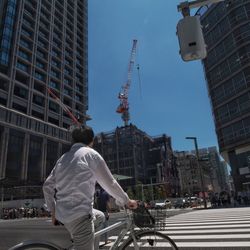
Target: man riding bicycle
69, 189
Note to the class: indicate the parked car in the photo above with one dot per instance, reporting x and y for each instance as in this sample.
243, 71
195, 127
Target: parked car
181, 203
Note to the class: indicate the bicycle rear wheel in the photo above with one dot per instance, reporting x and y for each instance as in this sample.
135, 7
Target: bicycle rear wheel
34, 246
149, 240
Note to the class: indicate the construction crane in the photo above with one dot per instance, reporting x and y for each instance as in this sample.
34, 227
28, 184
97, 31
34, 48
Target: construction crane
123, 108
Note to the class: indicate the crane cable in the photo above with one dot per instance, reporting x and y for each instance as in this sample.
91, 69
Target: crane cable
139, 78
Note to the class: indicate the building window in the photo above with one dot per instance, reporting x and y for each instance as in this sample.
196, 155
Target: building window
78, 98
22, 66
37, 114
54, 85
24, 55
40, 65
55, 63
40, 54
25, 44
19, 107
40, 76
39, 100
53, 106
27, 32
55, 74
42, 44
67, 92
21, 92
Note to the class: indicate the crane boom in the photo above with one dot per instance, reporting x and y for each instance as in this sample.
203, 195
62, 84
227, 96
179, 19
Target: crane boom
63, 106
123, 108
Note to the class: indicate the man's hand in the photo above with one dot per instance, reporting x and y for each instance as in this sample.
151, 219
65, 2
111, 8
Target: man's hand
132, 204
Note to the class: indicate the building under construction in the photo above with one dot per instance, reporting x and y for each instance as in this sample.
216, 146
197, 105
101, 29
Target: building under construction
130, 152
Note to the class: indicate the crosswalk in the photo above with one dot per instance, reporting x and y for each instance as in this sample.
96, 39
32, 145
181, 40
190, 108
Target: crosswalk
215, 229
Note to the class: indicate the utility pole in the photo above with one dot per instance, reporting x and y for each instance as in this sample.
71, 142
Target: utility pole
200, 169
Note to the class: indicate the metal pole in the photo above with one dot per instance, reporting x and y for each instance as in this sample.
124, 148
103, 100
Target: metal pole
2, 196
200, 169
142, 192
151, 187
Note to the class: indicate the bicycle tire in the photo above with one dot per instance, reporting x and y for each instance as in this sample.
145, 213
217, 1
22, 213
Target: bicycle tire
149, 240
34, 246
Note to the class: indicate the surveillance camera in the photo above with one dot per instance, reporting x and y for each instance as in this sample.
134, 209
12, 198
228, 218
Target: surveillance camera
191, 40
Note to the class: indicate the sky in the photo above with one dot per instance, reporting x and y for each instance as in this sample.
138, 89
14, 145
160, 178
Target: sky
172, 96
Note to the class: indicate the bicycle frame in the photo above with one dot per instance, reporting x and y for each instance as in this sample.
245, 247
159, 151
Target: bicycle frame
129, 228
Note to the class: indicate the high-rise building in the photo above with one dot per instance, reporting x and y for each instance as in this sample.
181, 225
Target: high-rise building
226, 28
43, 44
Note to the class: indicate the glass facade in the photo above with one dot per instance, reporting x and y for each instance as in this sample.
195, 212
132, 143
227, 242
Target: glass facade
7, 27
226, 28
42, 44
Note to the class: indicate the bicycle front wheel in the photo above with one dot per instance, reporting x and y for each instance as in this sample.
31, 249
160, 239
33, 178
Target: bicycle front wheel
34, 246
149, 240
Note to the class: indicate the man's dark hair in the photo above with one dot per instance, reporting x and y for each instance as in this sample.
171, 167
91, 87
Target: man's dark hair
83, 134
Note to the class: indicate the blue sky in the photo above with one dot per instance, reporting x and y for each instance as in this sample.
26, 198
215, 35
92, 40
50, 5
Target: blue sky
173, 97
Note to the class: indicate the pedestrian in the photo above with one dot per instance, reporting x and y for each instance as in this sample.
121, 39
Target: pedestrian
103, 204
69, 189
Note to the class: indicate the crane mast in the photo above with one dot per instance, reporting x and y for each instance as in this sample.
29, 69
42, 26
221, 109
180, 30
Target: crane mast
123, 108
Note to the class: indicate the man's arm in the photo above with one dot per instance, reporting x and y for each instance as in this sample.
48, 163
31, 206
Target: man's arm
49, 191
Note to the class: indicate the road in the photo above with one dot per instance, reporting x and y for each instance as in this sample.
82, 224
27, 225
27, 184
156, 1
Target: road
213, 229
15, 231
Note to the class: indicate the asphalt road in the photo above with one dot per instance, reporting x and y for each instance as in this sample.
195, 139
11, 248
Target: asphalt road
15, 231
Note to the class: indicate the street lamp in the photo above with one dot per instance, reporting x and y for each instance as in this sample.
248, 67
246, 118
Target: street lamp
200, 168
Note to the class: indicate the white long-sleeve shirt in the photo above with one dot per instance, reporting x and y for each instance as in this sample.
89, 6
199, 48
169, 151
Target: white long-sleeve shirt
70, 187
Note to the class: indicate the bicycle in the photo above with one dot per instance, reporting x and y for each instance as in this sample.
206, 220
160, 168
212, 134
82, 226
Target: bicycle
141, 225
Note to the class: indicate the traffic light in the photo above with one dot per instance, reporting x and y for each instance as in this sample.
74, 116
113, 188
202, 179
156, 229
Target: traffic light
191, 40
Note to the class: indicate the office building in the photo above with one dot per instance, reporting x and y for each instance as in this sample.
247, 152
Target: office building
139, 158
226, 28
43, 44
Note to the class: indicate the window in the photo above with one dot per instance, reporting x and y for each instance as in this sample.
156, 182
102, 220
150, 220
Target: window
40, 54
27, 22
27, 32
67, 92
55, 74
55, 63
78, 98
25, 44
21, 92
55, 53
233, 108
39, 100
79, 88
54, 85
53, 106
223, 113
41, 43
239, 81
24, 55
37, 114
22, 66
40, 76
40, 65
244, 102
19, 107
